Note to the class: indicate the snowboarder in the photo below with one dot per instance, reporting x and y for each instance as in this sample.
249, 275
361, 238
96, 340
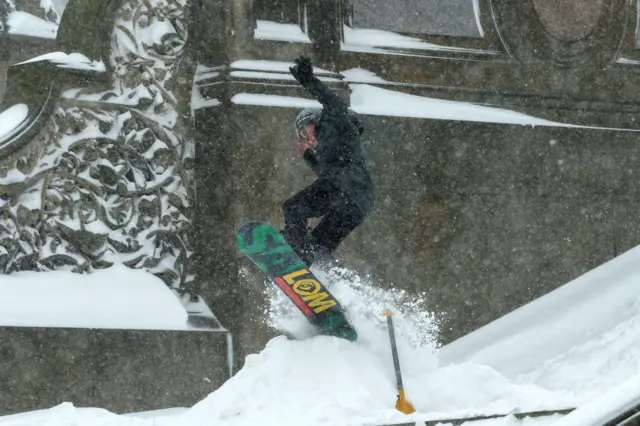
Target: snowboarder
330, 142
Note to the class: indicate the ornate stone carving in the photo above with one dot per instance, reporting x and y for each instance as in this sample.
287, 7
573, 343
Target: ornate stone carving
110, 178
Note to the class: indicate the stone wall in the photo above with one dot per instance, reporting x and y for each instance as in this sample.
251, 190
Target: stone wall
481, 218
118, 370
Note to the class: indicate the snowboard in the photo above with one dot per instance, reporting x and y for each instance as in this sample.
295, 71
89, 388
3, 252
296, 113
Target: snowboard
270, 252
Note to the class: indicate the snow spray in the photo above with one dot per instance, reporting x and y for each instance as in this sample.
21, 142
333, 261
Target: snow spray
402, 404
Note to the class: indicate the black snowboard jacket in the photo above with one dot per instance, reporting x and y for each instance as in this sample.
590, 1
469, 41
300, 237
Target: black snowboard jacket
339, 156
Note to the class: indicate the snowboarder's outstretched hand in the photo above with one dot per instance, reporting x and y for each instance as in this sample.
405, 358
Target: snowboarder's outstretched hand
302, 71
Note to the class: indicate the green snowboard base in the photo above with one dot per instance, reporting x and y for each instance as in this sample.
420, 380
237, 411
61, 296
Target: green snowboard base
268, 249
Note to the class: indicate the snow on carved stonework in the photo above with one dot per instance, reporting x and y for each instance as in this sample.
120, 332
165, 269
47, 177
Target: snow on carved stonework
111, 180
35, 18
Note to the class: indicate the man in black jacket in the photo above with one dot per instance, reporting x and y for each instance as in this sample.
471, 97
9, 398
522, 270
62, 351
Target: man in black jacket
343, 195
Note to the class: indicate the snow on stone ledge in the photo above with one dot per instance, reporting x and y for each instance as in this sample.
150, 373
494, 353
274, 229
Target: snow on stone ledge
371, 100
367, 99
26, 24
369, 40
72, 60
267, 30
274, 100
273, 76
114, 298
627, 61
265, 65
198, 101
360, 75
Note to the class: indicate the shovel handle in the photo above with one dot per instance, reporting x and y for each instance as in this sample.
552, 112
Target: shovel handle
394, 351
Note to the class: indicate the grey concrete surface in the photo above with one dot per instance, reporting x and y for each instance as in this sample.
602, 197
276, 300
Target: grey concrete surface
119, 370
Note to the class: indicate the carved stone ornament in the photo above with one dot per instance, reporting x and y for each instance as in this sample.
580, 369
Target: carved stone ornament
107, 178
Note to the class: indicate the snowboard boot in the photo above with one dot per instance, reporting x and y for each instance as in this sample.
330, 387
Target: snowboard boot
301, 245
320, 255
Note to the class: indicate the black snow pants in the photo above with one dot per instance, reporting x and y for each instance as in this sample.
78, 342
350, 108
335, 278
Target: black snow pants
322, 199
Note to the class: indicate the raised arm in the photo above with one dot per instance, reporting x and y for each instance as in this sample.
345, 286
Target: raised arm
303, 73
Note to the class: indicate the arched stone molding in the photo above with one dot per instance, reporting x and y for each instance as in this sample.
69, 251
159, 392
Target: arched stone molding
531, 36
33, 85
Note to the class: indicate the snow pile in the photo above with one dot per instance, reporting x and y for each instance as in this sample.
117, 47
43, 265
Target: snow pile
581, 326
609, 404
116, 297
597, 364
319, 380
326, 380
309, 382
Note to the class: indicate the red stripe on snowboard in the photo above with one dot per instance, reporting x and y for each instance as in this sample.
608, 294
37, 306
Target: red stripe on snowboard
293, 296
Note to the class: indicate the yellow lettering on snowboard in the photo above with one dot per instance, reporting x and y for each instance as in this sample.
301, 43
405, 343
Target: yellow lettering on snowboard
317, 302
309, 290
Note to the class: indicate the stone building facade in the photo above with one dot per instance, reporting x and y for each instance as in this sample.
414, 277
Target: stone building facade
502, 135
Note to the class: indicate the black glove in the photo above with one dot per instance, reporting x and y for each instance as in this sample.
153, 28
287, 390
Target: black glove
302, 71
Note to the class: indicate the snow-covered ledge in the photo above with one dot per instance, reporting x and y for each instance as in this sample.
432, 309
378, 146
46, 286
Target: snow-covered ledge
116, 337
370, 94
117, 297
71, 61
